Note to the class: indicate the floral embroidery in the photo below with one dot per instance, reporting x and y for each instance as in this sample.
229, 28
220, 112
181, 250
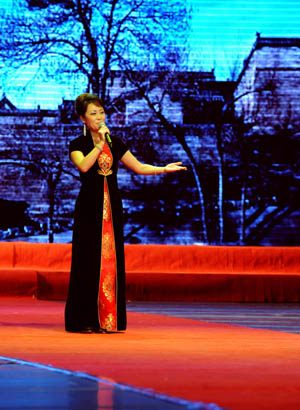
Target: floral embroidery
110, 322
107, 297
106, 207
105, 163
107, 249
108, 287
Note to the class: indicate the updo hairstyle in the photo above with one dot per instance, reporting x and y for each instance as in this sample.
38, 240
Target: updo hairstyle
83, 100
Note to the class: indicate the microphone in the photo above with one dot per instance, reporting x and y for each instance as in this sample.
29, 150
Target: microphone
107, 136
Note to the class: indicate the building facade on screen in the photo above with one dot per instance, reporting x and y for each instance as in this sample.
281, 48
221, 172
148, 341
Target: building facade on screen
270, 83
267, 97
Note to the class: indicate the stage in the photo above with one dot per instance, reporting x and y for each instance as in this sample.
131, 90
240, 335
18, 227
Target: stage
172, 361
174, 354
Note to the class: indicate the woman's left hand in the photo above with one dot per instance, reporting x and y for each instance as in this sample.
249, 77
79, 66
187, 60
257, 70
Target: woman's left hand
174, 166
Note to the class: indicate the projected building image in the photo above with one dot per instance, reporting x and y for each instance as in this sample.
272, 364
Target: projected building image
231, 117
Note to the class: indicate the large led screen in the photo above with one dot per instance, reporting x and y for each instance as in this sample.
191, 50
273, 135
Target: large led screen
212, 84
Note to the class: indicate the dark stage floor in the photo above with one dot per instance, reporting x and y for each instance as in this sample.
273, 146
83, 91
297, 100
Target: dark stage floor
272, 316
31, 386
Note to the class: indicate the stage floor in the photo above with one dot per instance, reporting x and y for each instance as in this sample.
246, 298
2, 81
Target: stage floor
173, 356
283, 317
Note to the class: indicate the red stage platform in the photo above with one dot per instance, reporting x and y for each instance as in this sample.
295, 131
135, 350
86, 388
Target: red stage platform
162, 272
236, 367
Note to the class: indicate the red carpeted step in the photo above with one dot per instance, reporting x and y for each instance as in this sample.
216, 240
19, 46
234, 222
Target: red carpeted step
163, 272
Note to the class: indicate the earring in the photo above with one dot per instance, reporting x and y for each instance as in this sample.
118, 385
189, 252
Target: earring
84, 129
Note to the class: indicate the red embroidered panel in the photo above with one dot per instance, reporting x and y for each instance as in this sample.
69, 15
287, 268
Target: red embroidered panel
107, 287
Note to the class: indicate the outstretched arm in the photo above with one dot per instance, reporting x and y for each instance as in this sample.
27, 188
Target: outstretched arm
145, 169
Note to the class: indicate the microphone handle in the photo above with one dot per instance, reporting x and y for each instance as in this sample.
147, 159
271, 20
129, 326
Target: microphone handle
107, 136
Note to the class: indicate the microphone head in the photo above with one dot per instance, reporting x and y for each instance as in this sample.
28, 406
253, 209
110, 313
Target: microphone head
102, 124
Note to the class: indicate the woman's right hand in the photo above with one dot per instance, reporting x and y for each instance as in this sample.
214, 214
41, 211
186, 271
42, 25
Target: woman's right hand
103, 130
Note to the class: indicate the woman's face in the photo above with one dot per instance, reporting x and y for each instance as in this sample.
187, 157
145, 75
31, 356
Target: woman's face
94, 116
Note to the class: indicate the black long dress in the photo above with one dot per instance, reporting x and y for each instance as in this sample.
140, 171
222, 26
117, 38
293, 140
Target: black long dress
82, 306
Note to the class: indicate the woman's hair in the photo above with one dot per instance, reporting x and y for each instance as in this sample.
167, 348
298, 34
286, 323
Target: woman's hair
83, 100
